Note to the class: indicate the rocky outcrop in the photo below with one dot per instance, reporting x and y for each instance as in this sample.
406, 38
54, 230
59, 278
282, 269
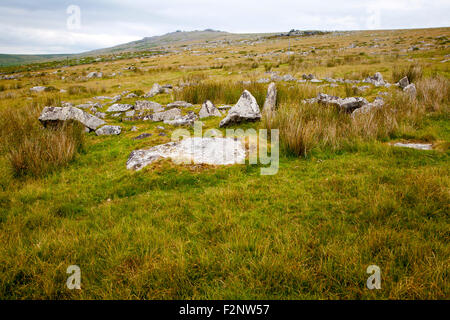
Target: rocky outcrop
108, 131
246, 109
212, 151
209, 110
56, 114
271, 98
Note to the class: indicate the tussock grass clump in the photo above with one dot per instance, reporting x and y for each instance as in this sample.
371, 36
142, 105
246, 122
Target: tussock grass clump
414, 72
220, 92
33, 150
434, 93
306, 127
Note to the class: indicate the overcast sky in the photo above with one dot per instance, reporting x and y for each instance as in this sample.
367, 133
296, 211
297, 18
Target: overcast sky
46, 26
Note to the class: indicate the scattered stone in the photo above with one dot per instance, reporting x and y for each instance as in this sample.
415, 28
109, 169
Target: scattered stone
347, 104
288, 78
212, 151
411, 90
403, 83
246, 109
94, 75
160, 128
377, 80
130, 113
308, 76
117, 107
108, 131
148, 105
271, 98
187, 120
171, 114
179, 104
134, 129
38, 89
209, 110
100, 115
418, 146
142, 136
132, 96
55, 114
156, 89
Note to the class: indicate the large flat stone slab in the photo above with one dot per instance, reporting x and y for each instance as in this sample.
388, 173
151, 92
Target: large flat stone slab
212, 151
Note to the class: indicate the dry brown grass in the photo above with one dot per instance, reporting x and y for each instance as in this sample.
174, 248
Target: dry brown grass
307, 126
33, 150
414, 72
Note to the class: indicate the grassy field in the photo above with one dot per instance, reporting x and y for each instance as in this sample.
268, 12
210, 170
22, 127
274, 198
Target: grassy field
343, 198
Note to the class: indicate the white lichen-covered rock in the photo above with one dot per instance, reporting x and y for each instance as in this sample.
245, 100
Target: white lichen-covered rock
38, 89
418, 146
246, 109
171, 114
118, 107
346, 104
212, 151
271, 98
209, 110
377, 80
94, 75
179, 104
148, 105
156, 89
187, 120
108, 131
55, 114
411, 90
376, 104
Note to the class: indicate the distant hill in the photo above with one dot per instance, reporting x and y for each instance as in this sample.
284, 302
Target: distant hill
147, 43
173, 38
17, 59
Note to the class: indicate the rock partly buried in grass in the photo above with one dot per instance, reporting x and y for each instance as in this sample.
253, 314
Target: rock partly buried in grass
142, 136
346, 104
376, 104
57, 114
411, 90
118, 107
246, 109
403, 83
171, 114
108, 131
212, 151
187, 120
38, 89
209, 110
148, 105
271, 98
377, 80
156, 89
418, 146
94, 75
179, 104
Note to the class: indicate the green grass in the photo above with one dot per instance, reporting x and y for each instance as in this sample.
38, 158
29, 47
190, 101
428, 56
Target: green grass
201, 232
